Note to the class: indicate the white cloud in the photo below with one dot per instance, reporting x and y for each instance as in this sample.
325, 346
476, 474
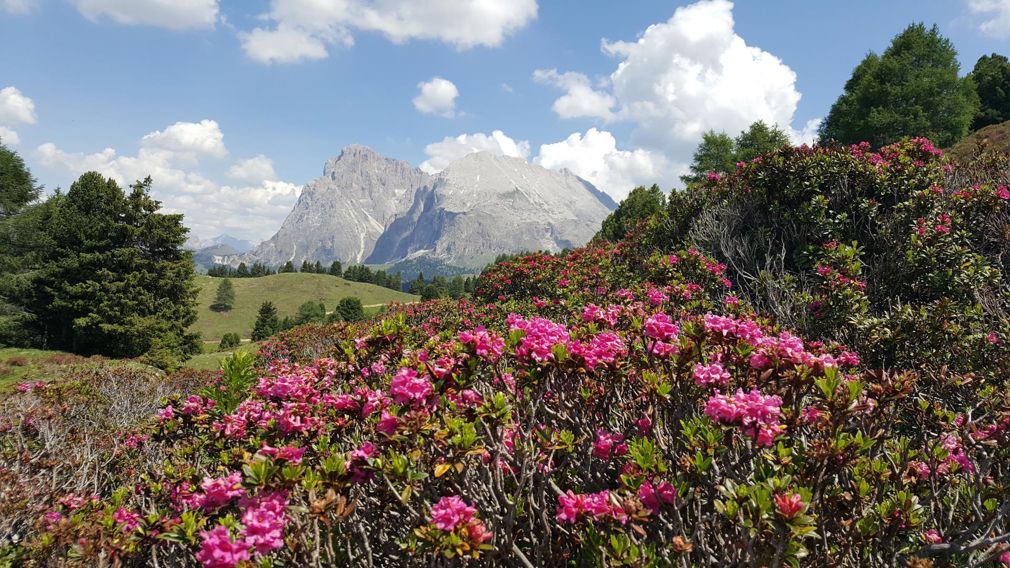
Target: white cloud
252, 209
254, 169
440, 154
683, 77
303, 29
171, 14
580, 99
595, 158
288, 44
807, 134
204, 137
8, 136
437, 96
18, 6
997, 14
15, 109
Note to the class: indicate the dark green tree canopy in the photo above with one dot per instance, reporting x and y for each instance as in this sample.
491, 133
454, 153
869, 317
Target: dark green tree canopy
17, 186
225, 298
719, 153
992, 82
104, 273
715, 153
310, 312
350, 309
913, 89
640, 204
267, 322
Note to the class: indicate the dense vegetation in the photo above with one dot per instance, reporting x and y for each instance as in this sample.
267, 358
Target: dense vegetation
95, 271
820, 382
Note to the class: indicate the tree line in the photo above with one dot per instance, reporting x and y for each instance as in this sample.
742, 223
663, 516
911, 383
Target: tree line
354, 273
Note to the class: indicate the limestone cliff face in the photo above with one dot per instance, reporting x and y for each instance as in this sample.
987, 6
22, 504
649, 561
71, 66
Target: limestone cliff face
483, 205
368, 208
340, 215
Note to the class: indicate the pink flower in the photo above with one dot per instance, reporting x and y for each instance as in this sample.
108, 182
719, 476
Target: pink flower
662, 349
713, 176
655, 497
607, 443
1005, 558
1002, 192
264, 520
661, 328
450, 512
932, 537
486, 345
595, 505
789, 505
992, 338
756, 414
387, 423
218, 492
408, 387
166, 413
541, 335
708, 375
127, 518
219, 551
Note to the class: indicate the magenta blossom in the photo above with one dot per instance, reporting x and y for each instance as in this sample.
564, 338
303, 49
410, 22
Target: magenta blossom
219, 551
450, 512
408, 387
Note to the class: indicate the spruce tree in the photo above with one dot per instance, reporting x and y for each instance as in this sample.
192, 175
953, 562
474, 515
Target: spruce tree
336, 269
225, 298
992, 83
350, 309
17, 186
267, 322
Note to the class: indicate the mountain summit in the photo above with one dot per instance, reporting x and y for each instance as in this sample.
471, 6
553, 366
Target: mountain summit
369, 208
340, 215
484, 204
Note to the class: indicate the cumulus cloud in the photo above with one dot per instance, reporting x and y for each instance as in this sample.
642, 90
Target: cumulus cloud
996, 14
305, 29
171, 14
594, 156
679, 79
251, 209
253, 169
437, 96
440, 154
15, 109
18, 6
580, 98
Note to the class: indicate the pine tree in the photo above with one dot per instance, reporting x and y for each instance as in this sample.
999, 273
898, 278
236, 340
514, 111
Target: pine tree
715, 153
17, 186
225, 298
913, 89
640, 204
110, 275
288, 267
350, 309
336, 269
267, 322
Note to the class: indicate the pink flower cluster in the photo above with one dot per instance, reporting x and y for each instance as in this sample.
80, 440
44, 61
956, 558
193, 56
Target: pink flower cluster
408, 387
541, 335
608, 315
264, 520
452, 512
756, 414
595, 506
604, 348
655, 496
486, 345
789, 504
218, 550
664, 332
218, 492
608, 444
711, 374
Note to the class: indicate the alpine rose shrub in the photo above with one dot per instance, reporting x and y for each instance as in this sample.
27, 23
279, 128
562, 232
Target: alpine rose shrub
620, 405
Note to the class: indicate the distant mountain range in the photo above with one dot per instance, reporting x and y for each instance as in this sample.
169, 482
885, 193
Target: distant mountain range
367, 208
219, 250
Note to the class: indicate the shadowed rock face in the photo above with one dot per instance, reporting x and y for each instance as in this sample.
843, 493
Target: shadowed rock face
340, 215
368, 208
483, 205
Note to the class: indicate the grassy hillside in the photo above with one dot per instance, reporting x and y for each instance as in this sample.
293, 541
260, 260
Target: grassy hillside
287, 292
992, 137
18, 365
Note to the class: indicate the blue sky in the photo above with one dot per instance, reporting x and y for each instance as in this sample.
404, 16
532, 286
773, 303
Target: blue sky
232, 105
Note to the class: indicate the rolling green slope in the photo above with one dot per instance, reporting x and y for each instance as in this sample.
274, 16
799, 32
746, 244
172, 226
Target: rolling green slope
287, 292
